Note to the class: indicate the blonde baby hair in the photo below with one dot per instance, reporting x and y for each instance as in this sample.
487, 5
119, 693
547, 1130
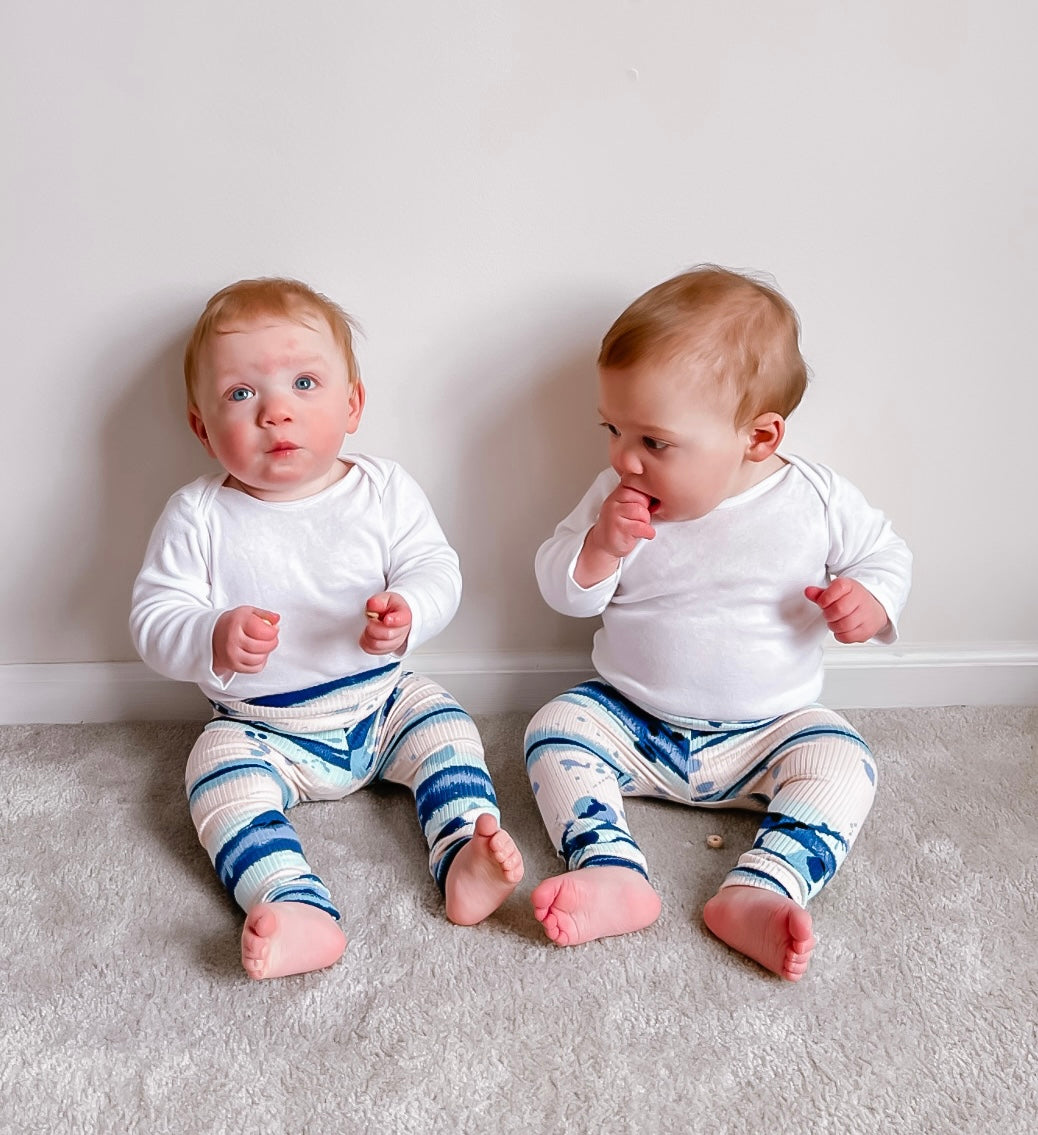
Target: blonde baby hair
742, 330
267, 296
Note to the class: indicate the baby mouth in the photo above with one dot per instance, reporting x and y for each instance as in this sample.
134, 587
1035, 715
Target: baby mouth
654, 504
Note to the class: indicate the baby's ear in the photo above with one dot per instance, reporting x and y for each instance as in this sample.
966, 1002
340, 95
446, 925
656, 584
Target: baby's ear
765, 435
356, 406
194, 420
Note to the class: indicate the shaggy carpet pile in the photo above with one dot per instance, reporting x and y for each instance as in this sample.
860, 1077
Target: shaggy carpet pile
125, 1009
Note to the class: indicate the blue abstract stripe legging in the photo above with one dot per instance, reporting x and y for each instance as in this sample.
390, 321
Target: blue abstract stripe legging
809, 772
256, 759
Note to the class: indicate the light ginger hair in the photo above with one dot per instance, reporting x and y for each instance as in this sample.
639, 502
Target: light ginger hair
742, 331
268, 296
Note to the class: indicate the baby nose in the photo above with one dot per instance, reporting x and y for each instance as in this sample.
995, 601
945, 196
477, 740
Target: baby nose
625, 460
275, 409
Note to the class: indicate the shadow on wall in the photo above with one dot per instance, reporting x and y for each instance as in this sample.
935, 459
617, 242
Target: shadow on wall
147, 452
538, 446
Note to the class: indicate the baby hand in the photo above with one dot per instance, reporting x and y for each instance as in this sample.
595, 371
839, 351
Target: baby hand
389, 624
622, 521
243, 638
851, 611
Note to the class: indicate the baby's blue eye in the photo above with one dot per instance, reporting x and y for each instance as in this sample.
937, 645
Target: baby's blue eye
304, 382
612, 429
240, 393
652, 443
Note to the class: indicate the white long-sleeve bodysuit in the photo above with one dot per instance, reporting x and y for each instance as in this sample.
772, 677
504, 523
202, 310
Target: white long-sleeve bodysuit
323, 718
711, 657
315, 562
709, 619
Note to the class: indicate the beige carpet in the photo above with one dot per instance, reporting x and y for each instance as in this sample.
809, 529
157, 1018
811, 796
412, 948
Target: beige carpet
124, 1009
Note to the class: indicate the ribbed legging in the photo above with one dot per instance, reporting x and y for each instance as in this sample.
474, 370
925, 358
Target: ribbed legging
257, 759
809, 772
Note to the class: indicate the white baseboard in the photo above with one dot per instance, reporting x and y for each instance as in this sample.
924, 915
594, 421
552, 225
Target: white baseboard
857, 677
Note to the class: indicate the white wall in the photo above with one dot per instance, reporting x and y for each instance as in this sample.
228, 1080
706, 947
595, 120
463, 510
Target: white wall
486, 185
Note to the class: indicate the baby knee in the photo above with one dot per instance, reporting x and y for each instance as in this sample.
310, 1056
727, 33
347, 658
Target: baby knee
559, 718
855, 768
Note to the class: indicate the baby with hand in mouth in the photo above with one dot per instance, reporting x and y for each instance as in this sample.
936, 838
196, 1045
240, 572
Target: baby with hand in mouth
718, 565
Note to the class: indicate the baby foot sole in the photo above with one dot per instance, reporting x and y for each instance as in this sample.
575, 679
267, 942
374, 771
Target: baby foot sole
282, 938
484, 873
594, 902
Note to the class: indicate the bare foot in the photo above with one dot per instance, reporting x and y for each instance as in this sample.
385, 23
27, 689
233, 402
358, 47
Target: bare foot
289, 937
594, 902
765, 926
484, 873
